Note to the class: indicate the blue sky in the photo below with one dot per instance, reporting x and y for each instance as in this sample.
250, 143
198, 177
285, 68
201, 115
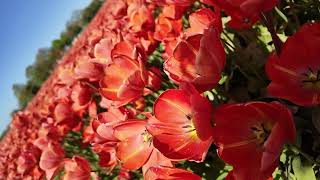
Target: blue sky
25, 27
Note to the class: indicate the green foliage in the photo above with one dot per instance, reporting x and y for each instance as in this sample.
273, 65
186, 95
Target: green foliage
302, 170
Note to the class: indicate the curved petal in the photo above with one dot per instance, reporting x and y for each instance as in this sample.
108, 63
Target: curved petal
297, 94
181, 147
77, 168
124, 48
132, 88
134, 152
172, 106
129, 128
163, 172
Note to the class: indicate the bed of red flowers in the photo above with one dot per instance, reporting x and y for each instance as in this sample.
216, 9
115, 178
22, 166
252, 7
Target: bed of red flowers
177, 89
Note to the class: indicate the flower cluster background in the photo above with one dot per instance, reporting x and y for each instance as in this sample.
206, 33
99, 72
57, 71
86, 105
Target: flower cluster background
178, 89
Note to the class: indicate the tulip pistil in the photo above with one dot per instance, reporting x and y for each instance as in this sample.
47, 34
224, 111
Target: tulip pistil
312, 79
147, 137
261, 132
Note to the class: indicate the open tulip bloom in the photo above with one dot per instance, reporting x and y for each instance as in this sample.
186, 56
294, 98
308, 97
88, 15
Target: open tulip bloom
250, 137
297, 68
177, 90
181, 125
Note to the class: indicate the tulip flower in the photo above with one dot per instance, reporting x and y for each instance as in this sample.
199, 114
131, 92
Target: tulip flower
295, 73
106, 121
162, 172
77, 168
250, 137
51, 159
125, 78
181, 125
156, 159
198, 59
244, 13
135, 145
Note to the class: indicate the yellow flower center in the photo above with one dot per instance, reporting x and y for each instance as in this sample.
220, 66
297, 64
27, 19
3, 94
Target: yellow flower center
261, 132
147, 137
312, 79
190, 128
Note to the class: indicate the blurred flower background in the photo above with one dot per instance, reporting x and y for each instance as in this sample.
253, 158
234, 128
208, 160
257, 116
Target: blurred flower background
28, 31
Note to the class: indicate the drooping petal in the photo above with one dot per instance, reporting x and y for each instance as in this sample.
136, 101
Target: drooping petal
202, 19
77, 168
129, 129
162, 172
51, 160
134, 152
172, 106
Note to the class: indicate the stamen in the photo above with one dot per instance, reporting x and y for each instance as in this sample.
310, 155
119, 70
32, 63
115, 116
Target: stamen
312, 79
187, 126
191, 130
261, 132
189, 116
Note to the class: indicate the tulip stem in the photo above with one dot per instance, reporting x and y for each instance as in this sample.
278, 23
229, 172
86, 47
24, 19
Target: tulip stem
295, 148
152, 90
267, 20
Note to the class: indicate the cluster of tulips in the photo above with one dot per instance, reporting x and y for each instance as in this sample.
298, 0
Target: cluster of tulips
135, 84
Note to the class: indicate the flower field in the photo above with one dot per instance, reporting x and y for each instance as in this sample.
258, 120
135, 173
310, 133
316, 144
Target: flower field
178, 89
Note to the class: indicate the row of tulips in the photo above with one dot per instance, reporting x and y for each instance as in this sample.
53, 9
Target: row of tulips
103, 86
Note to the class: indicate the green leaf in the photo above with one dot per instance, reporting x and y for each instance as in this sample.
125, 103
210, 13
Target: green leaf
302, 171
284, 17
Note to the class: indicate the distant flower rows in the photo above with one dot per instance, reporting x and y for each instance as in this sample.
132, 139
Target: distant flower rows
135, 85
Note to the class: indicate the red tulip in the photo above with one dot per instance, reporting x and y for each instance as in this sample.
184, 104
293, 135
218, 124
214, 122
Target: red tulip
66, 76
250, 137
167, 28
63, 112
107, 155
102, 50
154, 80
25, 162
81, 96
181, 126
89, 70
124, 79
140, 17
106, 121
124, 48
198, 59
176, 2
156, 159
64, 115
124, 174
118, 8
244, 13
77, 168
201, 20
51, 159
173, 11
162, 172
295, 73
231, 176
135, 144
